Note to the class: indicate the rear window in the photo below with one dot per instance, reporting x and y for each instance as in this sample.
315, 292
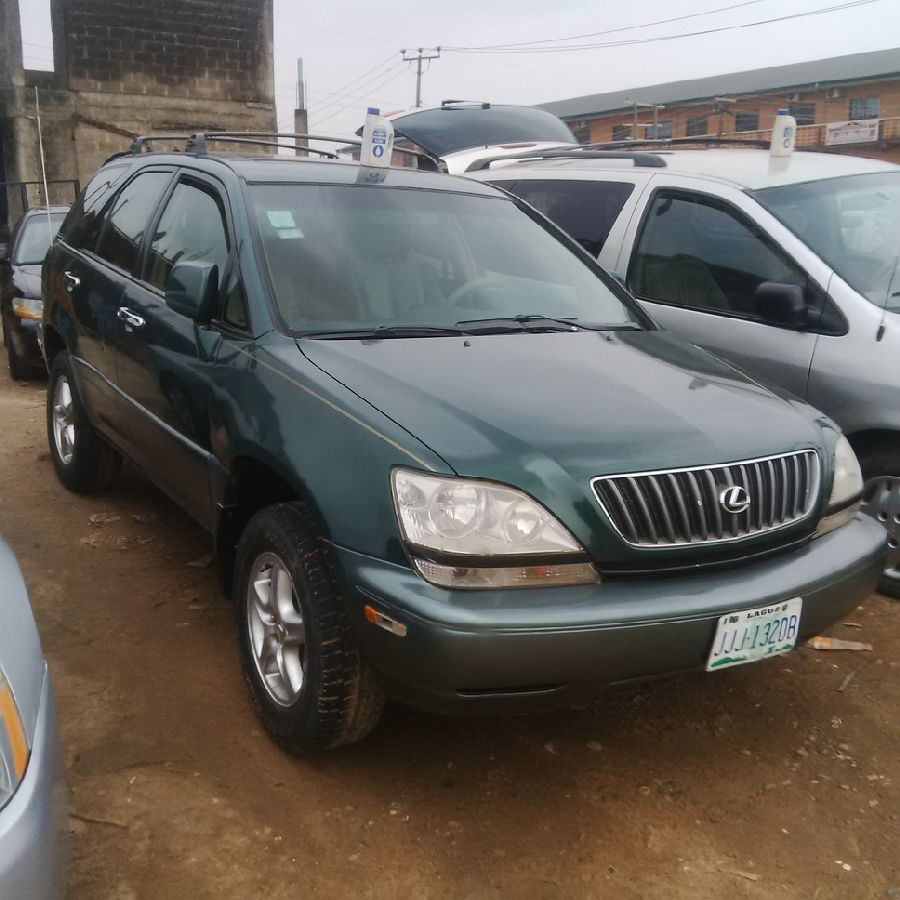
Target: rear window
92, 200
453, 128
35, 239
586, 210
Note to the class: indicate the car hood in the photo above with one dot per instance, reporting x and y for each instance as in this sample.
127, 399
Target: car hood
28, 280
548, 412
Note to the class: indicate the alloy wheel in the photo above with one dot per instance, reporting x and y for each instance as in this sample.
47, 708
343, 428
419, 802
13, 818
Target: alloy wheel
881, 500
63, 421
276, 629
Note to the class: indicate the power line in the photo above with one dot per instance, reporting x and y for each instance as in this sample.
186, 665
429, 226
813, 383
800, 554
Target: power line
352, 83
378, 85
671, 37
576, 37
423, 54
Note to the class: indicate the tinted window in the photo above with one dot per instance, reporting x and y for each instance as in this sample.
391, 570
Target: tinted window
191, 229
350, 257
454, 128
92, 200
35, 238
120, 240
693, 251
584, 209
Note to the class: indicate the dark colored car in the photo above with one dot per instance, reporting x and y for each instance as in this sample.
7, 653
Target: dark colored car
442, 455
21, 306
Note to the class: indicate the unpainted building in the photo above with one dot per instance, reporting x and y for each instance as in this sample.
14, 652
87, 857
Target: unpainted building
123, 68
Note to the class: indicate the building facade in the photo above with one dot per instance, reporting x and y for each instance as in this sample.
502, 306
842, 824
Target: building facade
123, 68
845, 104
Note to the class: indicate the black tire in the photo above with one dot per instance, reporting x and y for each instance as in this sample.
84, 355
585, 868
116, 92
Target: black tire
338, 700
93, 464
880, 462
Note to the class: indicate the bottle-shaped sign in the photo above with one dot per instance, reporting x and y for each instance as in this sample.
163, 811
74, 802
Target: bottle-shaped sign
377, 140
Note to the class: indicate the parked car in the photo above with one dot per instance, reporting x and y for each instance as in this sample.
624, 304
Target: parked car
20, 289
787, 268
440, 452
34, 823
460, 131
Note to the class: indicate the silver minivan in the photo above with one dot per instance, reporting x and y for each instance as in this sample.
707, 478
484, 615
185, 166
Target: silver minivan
785, 267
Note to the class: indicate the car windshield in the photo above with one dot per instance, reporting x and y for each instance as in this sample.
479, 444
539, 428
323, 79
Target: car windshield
35, 239
853, 223
453, 128
354, 258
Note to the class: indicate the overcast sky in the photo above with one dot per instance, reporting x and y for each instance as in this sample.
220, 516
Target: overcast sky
341, 41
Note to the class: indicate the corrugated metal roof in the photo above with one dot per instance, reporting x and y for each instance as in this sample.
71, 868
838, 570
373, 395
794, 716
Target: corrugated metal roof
817, 73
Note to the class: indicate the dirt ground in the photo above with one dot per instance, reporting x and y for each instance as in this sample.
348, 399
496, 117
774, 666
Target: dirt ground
776, 780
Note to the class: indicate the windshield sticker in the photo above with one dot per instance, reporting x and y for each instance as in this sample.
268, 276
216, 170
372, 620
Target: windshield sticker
281, 218
289, 234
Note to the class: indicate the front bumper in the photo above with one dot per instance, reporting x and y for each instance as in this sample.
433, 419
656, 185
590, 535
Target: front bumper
34, 827
524, 650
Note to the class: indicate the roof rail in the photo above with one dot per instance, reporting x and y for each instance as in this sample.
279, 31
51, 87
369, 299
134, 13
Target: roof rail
197, 144
643, 160
670, 142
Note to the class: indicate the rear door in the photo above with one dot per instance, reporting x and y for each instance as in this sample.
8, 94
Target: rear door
165, 360
696, 259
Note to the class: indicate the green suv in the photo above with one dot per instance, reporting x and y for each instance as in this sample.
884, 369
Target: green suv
441, 454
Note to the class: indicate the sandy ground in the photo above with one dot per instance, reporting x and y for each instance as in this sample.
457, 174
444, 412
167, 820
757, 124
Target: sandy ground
765, 781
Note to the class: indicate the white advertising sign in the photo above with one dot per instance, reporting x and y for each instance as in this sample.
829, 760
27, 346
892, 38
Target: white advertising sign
860, 132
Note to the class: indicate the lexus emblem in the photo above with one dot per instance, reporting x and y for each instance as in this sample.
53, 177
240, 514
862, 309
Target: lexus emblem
734, 499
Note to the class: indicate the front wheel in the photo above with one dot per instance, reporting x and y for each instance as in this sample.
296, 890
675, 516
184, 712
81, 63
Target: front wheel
83, 460
881, 500
309, 684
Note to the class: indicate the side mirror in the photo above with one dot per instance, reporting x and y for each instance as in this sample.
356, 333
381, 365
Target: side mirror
784, 304
192, 290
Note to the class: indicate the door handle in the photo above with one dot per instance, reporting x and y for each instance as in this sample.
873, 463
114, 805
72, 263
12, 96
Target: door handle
131, 320
72, 281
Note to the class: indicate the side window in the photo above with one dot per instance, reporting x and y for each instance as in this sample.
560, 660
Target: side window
586, 210
192, 229
87, 207
120, 240
694, 251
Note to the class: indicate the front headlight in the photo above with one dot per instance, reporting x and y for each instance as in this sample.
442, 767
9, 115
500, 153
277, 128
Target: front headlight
474, 534
13, 744
27, 307
843, 504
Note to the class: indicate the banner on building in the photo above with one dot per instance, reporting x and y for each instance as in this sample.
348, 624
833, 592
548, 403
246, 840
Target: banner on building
859, 132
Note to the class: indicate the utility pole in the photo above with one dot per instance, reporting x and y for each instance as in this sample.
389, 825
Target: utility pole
421, 55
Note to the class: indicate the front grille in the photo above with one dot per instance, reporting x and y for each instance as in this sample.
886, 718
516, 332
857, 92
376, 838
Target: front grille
683, 506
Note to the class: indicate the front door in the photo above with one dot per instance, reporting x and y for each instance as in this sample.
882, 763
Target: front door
696, 264
165, 359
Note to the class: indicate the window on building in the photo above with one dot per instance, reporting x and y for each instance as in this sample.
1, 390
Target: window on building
123, 232
621, 132
746, 120
586, 210
698, 252
582, 134
697, 125
804, 113
663, 131
863, 108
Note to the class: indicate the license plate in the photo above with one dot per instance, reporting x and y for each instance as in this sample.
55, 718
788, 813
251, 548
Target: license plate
754, 634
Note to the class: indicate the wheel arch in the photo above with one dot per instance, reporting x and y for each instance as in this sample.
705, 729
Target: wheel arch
252, 484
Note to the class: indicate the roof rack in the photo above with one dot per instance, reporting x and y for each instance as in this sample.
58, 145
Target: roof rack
643, 160
670, 142
196, 144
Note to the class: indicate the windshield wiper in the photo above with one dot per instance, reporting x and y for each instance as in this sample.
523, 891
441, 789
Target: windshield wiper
384, 331
543, 323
